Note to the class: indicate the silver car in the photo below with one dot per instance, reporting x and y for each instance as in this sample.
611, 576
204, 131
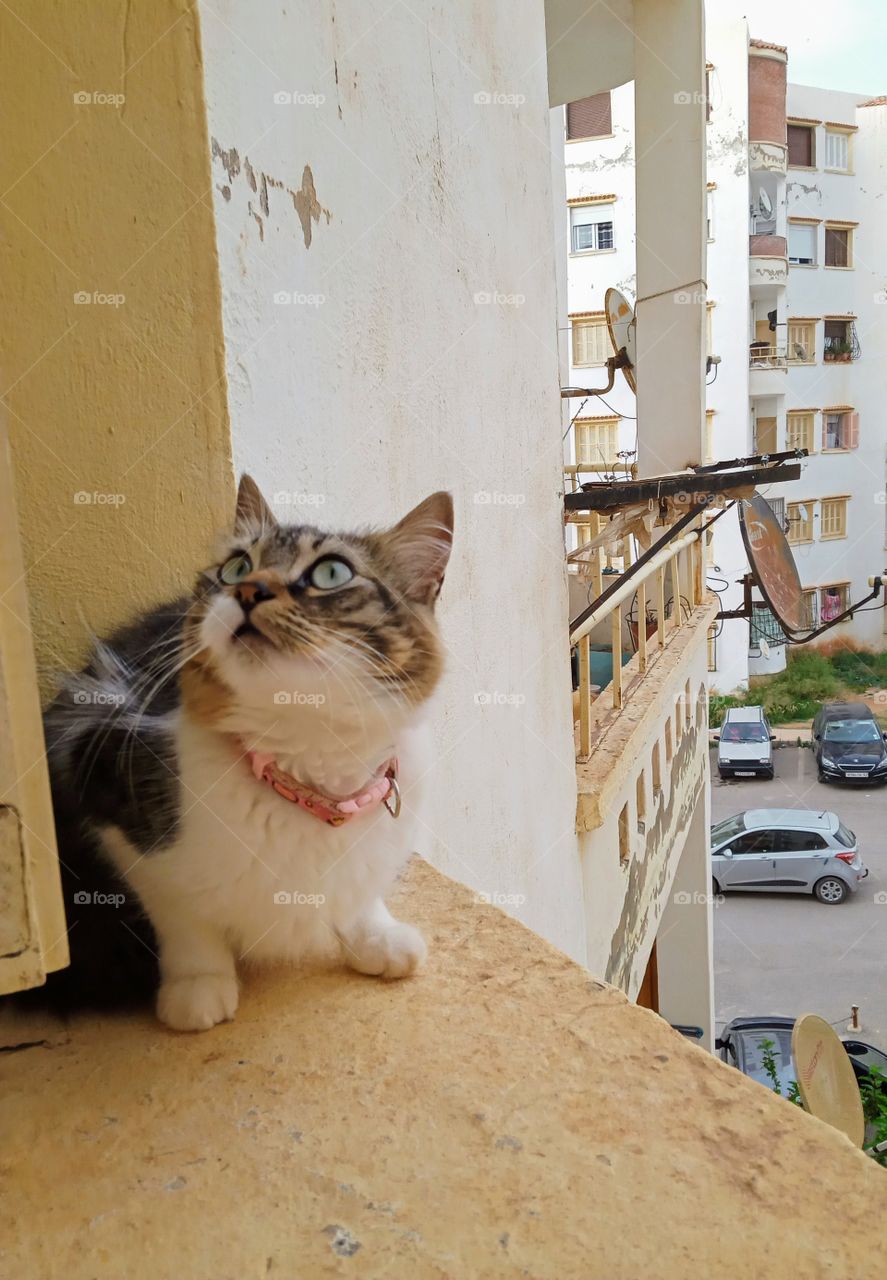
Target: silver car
786, 851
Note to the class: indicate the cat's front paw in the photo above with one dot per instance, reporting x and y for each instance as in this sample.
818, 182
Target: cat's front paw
197, 1003
394, 951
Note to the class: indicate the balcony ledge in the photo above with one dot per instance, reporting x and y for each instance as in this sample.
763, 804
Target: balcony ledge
503, 1113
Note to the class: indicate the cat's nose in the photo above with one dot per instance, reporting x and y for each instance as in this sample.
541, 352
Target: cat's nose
251, 593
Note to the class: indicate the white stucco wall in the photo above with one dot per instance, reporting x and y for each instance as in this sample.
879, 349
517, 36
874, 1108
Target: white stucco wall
390, 376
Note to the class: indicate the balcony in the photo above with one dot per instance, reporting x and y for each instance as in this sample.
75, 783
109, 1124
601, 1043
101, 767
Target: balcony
767, 366
504, 1112
767, 262
767, 157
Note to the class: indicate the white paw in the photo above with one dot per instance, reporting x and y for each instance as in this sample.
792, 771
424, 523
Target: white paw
197, 1003
393, 951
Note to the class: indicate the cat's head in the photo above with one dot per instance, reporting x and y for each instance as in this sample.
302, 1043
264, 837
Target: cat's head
291, 612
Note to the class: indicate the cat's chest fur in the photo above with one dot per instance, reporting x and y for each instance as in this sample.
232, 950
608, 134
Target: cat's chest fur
279, 882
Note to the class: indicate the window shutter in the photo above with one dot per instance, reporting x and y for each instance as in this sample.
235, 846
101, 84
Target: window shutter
836, 150
800, 145
852, 430
590, 117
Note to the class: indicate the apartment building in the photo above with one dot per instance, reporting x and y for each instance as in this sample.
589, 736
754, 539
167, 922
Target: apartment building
796, 320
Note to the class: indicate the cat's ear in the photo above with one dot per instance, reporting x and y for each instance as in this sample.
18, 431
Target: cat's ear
252, 510
420, 545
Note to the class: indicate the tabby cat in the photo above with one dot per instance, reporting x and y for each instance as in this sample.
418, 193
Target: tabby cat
236, 775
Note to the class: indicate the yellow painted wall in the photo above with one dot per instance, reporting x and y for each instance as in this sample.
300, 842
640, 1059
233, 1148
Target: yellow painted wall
126, 403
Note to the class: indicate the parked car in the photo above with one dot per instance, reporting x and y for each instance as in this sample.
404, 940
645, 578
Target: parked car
786, 851
848, 744
739, 1044
745, 744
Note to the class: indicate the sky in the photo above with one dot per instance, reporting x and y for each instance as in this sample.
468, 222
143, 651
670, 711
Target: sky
830, 45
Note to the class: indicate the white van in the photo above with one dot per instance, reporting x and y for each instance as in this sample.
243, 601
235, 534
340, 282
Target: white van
745, 744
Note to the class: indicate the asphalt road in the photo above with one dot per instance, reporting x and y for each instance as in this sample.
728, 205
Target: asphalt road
789, 954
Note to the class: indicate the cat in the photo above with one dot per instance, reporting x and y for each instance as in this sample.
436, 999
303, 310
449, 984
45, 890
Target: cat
236, 775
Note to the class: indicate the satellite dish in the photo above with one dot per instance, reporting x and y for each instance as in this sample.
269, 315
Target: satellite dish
765, 204
621, 327
772, 563
826, 1080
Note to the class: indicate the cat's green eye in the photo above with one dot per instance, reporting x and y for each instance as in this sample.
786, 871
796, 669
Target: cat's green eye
235, 569
330, 573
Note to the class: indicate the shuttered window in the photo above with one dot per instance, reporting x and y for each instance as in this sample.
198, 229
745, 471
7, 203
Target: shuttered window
833, 518
840, 429
801, 146
591, 343
802, 244
837, 150
590, 117
838, 247
799, 431
802, 341
799, 518
591, 228
833, 600
596, 442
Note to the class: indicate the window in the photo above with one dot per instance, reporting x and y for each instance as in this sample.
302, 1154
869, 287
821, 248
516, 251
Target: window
655, 770
793, 841
590, 117
840, 429
839, 343
640, 796
591, 343
802, 244
777, 506
624, 842
802, 341
799, 518
591, 228
833, 518
833, 600
596, 442
810, 608
838, 246
753, 842
712, 646
837, 150
799, 430
802, 146
709, 215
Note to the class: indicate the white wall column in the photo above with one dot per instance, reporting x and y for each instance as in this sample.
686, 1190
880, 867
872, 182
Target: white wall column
669, 51
684, 939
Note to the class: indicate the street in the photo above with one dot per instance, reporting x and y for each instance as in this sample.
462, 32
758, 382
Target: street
789, 954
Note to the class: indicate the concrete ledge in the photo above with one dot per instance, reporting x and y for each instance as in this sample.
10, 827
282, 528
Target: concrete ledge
502, 1114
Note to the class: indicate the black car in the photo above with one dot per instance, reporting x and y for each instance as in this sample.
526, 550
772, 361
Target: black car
848, 744
740, 1045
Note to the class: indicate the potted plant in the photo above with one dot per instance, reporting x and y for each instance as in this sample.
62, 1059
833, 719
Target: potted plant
838, 352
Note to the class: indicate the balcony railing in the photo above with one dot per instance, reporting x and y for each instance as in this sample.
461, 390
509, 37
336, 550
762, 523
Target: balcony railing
644, 612
761, 356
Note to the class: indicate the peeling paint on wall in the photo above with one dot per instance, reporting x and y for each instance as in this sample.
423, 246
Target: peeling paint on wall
304, 198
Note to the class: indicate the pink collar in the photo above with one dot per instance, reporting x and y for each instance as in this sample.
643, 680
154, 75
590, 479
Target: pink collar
331, 809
